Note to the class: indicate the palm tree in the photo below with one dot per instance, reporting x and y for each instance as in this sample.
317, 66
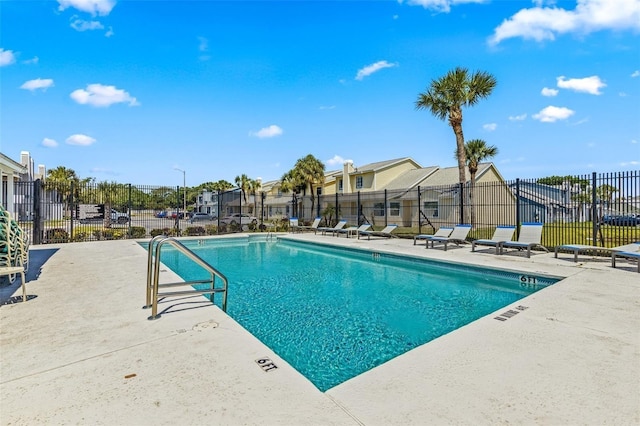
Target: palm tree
243, 182
446, 96
476, 151
60, 180
309, 171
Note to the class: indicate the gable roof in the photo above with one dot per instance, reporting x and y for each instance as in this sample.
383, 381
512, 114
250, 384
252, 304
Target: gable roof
380, 165
411, 178
449, 175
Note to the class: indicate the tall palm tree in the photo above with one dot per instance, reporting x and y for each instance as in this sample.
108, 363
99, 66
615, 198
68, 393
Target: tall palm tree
243, 182
310, 172
476, 151
446, 96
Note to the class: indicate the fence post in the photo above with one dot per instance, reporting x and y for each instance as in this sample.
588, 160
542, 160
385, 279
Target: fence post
337, 209
71, 209
358, 208
129, 204
37, 214
594, 210
461, 190
419, 208
386, 212
517, 207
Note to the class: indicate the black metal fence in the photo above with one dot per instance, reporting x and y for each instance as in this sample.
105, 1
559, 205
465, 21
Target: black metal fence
596, 209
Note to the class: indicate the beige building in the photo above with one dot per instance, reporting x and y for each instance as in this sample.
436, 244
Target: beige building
397, 191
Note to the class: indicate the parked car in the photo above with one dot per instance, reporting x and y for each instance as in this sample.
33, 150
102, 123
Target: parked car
116, 217
162, 214
180, 215
197, 216
239, 219
621, 220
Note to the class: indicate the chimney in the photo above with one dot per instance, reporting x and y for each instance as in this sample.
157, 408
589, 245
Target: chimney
347, 169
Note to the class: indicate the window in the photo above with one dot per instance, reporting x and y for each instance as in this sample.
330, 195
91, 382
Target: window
340, 185
359, 182
394, 209
378, 209
430, 208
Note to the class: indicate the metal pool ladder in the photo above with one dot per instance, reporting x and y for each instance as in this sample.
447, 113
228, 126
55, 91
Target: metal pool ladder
153, 273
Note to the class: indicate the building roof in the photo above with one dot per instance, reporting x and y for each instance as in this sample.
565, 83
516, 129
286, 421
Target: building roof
379, 165
411, 178
449, 175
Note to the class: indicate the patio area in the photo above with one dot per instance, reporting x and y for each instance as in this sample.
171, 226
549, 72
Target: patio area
81, 351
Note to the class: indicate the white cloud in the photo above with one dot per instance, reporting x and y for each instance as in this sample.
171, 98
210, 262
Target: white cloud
7, 57
50, 143
591, 85
490, 127
370, 69
109, 32
204, 44
99, 95
82, 25
544, 23
551, 114
630, 163
549, 92
337, 161
81, 140
94, 7
439, 5
634, 141
33, 60
267, 132
38, 83
635, 74
520, 117
322, 107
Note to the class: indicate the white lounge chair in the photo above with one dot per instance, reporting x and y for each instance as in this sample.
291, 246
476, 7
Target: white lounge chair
312, 227
586, 248
352, 230
386, 232
458, 236
500, 235
324, 229
530, 236
443, 231
293, 224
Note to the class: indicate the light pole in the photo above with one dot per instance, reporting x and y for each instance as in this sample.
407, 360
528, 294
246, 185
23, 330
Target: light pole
184, 185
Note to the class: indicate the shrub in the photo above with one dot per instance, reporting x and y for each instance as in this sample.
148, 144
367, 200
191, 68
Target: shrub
138, 232
56, 235
79, 237
211, 229
195, 230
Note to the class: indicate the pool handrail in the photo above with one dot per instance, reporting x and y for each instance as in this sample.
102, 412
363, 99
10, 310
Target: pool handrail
153, 273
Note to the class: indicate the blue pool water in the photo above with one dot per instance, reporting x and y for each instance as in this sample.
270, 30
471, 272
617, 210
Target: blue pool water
336, 313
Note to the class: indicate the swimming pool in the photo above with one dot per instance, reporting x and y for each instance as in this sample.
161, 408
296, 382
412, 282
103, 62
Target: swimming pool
334, 313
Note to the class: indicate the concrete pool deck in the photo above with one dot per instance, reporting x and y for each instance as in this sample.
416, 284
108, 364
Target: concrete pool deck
81, 351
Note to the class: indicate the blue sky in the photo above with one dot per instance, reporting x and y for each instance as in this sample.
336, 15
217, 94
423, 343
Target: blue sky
128, 91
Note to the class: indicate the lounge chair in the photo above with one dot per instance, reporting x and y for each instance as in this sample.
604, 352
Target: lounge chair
324, 229
586, 248
626, 254
386, 232
293, 224
312, 227
458, 236
352, 230
500, 235
530, 236
443, 231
